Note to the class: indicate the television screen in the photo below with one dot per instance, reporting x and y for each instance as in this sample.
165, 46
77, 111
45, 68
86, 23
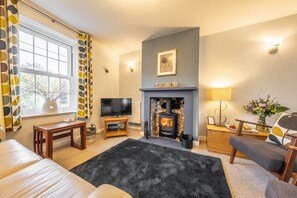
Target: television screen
116, 106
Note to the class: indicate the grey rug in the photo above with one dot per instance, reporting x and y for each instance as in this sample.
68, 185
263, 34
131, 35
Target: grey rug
149, 170
163, 141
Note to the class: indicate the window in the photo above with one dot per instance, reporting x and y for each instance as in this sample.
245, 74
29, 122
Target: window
46, 71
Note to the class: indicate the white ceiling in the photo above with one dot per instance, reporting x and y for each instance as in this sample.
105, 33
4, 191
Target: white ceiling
124, 24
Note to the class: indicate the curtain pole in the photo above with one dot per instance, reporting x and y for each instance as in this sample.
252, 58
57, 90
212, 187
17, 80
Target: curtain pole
51, 18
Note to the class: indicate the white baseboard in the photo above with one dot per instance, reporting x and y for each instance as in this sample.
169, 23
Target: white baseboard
135, 127
100, 131
202, 138
196, 143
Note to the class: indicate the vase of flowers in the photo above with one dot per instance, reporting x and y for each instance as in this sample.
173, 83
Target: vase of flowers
263, 108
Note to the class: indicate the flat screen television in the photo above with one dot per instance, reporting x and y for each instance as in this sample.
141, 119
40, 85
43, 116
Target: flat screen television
116, 106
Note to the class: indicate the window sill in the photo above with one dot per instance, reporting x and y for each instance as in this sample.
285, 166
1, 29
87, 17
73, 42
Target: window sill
47, 114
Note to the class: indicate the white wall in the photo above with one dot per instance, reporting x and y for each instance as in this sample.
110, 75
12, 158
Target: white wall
130, 82
239, 59
105, 85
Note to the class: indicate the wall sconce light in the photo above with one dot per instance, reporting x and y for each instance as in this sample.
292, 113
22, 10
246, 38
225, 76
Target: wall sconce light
105, 69
274, 45
131, 67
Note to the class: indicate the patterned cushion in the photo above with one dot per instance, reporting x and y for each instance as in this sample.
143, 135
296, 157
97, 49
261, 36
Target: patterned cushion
277, 133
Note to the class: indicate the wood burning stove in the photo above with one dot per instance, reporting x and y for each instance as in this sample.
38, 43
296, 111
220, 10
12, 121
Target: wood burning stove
168, 122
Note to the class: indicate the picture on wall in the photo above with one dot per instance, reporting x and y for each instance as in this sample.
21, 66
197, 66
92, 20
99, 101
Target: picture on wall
166, 63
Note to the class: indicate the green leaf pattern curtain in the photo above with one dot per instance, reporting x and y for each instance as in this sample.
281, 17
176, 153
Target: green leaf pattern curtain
85, 77
9, 21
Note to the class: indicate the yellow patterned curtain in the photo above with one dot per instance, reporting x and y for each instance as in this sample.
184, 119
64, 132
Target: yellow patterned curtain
85, 77
10, 89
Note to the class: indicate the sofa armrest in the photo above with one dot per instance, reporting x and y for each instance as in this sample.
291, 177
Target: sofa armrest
106, 190
2, 134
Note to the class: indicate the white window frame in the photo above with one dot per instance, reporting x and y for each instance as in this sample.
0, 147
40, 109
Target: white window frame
50, 35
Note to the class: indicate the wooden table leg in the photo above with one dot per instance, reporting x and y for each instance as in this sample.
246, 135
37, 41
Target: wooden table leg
71, 137
49, 145
34, 139
127, 125
105, 129
38, 143
83, 133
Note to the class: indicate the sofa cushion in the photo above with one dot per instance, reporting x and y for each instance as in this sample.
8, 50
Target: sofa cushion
44, 179
279, 189
14, 157
109, 191
270, 156
277, 133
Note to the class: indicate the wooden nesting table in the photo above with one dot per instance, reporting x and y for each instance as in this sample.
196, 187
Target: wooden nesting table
45, 134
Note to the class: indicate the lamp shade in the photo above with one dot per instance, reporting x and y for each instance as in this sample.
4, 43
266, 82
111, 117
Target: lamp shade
220, 94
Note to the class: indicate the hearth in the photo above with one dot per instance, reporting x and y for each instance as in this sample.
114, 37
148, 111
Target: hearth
168, 122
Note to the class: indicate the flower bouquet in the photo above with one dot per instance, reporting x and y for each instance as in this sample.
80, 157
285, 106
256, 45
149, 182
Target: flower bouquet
263, 108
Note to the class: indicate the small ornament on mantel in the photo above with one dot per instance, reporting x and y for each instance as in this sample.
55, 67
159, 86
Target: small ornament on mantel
166, 84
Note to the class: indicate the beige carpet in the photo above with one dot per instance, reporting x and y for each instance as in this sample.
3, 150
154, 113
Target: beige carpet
245, 178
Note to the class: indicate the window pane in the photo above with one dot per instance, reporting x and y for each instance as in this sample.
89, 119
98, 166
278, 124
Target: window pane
63, 68
26, 46
28, 100
63, 54
26, 59
54, 88
52, 50
40, 46
53, 66
26, 38
40, 63
64, 100
42, 85
27, 90
42, 88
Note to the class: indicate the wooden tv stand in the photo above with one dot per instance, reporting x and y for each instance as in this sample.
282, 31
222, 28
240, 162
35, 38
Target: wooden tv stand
118, 131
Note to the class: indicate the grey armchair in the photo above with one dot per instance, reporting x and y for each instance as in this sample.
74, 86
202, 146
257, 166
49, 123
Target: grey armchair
278, 160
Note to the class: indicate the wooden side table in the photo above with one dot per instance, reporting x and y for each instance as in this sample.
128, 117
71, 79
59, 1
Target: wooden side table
45, 134
218, 139
118, 131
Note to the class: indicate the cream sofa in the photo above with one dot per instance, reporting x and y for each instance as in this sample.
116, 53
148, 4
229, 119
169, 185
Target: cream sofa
25, 174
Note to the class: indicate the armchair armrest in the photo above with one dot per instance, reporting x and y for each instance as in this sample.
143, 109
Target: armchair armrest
293, 144
292, 135
241, 122
294, 148
254, 123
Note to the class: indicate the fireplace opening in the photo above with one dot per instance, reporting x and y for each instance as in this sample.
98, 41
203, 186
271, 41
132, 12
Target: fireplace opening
168, 122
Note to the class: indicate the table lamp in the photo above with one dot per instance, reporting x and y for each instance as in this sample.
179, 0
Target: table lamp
221, 94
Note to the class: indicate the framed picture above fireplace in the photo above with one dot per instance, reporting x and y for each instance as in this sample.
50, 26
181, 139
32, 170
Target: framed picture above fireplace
166, 63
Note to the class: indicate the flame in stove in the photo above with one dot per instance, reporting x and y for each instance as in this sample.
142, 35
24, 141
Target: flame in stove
167, 122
